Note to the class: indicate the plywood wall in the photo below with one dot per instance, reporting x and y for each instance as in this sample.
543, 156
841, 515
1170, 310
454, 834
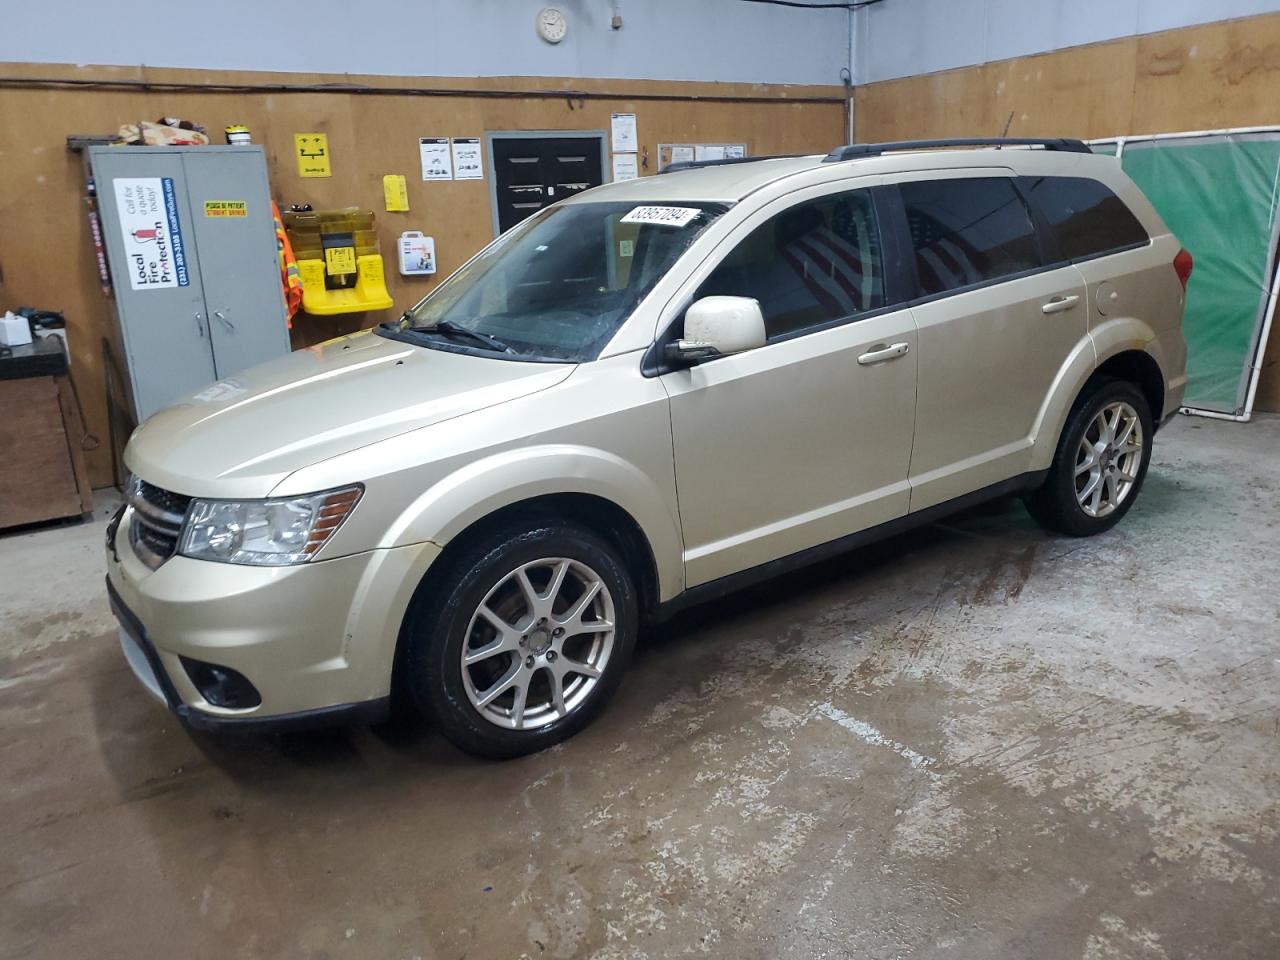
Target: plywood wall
1208, 77
46, 254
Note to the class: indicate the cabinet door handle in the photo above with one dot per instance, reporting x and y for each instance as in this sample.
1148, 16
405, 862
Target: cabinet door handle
880, 353
200, 325
223, 317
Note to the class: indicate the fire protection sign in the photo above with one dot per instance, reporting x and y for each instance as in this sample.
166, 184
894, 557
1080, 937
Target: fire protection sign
147, 208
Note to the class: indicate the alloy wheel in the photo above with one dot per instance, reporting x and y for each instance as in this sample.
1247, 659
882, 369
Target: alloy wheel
1108, 459
538, 643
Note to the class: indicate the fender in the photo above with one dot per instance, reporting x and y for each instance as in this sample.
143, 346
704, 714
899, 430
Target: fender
1119, 334
1104, 341
503, 479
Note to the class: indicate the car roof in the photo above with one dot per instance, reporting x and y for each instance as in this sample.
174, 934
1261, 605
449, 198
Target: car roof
723, 183
732, 181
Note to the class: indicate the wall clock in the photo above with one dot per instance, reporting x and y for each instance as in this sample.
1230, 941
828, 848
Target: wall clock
552, 25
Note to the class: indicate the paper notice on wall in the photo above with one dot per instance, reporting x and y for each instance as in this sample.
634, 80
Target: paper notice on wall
395, 192
467, 164
147, 208
708, 151
735, 151
623, 129
625, 167
436, 159
312, 152
681, 153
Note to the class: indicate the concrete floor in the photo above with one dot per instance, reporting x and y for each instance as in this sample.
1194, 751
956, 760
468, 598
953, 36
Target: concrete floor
975, 742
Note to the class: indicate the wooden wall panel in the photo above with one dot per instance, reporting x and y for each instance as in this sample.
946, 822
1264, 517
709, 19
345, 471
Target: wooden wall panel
45, 249
1218, 75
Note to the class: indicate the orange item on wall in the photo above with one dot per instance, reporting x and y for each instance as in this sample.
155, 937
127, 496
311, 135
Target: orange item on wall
289, 275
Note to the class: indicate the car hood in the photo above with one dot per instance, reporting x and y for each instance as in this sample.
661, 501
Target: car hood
241, 436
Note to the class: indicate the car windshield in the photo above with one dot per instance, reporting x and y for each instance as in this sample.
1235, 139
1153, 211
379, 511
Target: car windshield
559, 285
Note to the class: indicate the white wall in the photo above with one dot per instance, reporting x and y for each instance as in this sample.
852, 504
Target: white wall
726, 40
901, 38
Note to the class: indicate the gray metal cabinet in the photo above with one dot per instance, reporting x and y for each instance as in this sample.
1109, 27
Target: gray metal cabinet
195, 273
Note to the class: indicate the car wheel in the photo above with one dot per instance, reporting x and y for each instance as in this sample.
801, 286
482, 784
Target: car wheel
1100, 462
524, 641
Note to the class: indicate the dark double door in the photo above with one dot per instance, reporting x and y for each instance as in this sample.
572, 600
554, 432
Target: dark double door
530, 173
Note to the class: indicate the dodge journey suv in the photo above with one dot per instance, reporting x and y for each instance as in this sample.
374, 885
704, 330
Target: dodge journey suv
638, 398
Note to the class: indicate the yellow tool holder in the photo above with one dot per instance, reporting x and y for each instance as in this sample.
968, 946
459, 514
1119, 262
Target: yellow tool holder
338, 260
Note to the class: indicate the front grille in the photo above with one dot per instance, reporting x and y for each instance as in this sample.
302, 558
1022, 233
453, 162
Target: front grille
157, 521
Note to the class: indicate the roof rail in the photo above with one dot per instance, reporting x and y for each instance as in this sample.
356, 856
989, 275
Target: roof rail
855, 151
695, 164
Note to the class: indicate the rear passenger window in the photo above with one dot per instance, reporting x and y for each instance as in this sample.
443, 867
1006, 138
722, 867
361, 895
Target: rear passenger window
1085, 218
968, 231
812, 264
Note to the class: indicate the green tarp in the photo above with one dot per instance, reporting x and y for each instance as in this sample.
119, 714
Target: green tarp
1218, 195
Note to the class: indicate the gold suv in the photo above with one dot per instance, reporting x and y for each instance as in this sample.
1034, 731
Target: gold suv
643, 396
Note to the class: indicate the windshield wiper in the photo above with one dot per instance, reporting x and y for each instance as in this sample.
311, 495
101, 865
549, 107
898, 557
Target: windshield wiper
450, 328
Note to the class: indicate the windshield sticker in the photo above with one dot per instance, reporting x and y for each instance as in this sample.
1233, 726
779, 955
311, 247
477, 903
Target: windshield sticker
662, 216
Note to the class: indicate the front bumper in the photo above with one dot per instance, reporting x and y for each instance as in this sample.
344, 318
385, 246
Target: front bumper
316, 640
150, 671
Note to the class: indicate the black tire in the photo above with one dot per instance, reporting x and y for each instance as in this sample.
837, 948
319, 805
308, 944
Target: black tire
1055, 504
434, 671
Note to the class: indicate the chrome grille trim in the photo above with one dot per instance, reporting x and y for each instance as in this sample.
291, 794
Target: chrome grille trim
158, 517
154, 513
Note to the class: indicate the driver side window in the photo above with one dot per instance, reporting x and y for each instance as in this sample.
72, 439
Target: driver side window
812, 264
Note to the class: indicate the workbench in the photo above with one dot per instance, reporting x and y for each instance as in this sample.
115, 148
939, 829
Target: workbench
42, 474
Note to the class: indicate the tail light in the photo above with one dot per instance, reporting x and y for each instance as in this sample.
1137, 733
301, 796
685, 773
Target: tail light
1182, 265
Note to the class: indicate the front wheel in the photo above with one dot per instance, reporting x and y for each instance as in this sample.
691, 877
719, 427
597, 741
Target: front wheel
1100, 463
526, 639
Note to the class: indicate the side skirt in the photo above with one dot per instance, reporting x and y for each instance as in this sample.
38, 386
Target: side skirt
722, 586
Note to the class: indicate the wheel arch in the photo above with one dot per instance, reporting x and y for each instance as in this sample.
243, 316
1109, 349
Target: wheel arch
536, 477
597, 513
1127, 348
1124, 348
1141, 369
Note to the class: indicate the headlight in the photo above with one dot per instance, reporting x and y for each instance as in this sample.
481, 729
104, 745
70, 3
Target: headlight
265, 532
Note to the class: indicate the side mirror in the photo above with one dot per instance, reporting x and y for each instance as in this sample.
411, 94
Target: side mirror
716, 327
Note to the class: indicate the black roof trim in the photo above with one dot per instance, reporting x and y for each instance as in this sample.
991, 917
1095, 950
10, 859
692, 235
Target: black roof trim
855, 151
697, 164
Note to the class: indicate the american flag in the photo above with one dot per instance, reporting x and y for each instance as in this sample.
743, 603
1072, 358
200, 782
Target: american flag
839, 275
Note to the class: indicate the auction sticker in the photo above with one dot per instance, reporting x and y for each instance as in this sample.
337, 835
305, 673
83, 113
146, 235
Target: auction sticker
221, 390
148, 211
662, 216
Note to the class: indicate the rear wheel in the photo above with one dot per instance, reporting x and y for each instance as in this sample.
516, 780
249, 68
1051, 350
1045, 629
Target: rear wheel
525, 641
1100, 463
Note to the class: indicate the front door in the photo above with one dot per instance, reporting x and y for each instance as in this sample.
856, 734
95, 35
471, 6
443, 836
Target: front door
532, 172
808, 438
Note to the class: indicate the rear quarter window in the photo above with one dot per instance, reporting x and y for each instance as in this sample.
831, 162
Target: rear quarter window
1085, 219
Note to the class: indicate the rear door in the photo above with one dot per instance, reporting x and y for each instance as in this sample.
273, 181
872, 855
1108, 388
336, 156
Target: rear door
997, 321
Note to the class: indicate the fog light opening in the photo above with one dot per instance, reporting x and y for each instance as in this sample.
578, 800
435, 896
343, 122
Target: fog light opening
221, 686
